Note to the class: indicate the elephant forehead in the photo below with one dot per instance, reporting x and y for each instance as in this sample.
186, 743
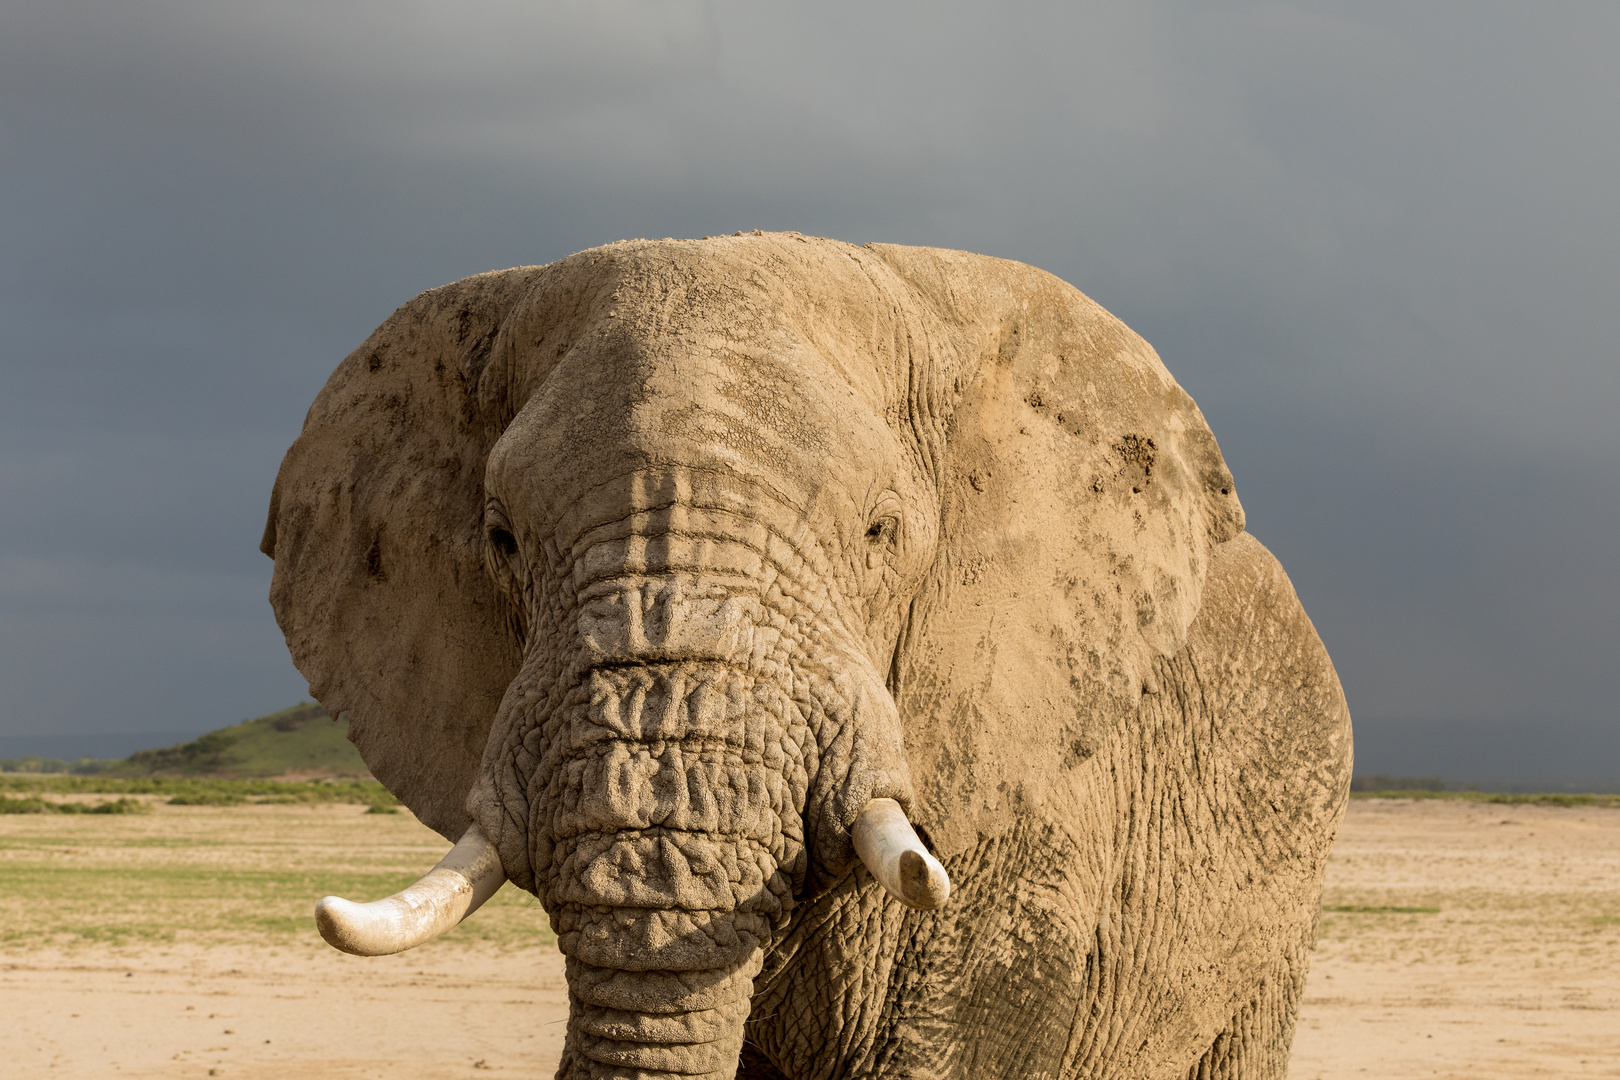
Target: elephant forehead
777, 417
775, 400
769, 290
777, 360
722, 292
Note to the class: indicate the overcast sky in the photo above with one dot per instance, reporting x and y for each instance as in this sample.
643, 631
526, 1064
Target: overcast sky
1378, 242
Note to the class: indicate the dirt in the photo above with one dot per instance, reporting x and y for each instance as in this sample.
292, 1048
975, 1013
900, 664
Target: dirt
1516, 974
179, 943
316, 1014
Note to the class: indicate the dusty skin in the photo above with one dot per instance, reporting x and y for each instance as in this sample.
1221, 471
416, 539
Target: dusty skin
119, 958
669, 564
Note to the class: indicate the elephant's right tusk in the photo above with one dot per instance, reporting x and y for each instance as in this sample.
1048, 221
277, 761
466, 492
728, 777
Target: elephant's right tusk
452, 890
892, 851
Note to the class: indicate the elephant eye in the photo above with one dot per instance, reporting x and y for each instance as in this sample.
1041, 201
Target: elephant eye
503, 541
880, 531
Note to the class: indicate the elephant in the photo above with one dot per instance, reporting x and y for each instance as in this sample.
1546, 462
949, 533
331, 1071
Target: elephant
857, 650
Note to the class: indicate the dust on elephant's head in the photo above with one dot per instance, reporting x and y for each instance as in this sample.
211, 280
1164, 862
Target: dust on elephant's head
661, 562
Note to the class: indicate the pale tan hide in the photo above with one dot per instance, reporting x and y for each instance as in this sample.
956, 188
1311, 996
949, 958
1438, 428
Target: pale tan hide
874, 527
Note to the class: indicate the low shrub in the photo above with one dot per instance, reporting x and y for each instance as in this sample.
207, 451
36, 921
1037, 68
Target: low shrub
208, 798
37, 805
82, 767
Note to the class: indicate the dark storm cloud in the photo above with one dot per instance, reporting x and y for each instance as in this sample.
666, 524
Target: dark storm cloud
1377, 242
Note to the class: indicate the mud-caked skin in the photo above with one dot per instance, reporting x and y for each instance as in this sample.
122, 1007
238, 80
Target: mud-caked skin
660, 562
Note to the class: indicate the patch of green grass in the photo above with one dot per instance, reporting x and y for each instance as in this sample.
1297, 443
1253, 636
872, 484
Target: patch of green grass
1379, 909
152, 903
228, 874
191, 791
1554, 799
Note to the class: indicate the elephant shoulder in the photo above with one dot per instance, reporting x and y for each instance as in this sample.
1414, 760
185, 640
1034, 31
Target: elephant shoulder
1266, 677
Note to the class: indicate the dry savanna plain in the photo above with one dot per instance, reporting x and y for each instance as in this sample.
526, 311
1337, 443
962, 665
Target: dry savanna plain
1459, 939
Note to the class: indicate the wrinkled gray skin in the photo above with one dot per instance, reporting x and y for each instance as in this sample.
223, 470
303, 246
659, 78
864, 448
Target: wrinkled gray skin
660, 561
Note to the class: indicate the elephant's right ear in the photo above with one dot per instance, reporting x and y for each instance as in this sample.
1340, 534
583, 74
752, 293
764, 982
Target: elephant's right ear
376, 528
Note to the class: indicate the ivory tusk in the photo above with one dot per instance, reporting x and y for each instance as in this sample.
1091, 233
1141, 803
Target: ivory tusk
892, 851
455, 888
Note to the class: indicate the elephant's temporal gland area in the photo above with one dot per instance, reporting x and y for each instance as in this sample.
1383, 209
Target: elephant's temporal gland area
671, 804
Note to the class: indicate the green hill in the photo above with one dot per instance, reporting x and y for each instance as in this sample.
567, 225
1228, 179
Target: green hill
301, 741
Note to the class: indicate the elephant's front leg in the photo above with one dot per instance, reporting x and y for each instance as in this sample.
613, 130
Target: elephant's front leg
1256, 1044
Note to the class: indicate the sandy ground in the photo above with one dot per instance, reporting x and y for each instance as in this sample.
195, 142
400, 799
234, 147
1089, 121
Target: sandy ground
233, 1012
1516, 974
180, 944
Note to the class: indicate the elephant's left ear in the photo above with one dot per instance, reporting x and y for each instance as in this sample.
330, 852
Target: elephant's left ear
1082, 495
376, 527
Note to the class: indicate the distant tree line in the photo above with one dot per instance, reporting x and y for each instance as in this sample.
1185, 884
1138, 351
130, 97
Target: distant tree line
81, 767
1375, 782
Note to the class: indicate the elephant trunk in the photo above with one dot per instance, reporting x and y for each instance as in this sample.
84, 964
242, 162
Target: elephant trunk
656, 1023
668, 786
676, 846
692, 760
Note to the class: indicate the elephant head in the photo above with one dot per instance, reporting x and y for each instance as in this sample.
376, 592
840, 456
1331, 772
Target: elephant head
659, 573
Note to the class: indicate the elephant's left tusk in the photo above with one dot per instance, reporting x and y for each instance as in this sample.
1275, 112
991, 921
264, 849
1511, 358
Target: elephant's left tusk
895, 855
452, 890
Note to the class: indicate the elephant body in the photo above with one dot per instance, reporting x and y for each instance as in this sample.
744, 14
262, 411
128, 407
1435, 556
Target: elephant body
1162, 912
661, 562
